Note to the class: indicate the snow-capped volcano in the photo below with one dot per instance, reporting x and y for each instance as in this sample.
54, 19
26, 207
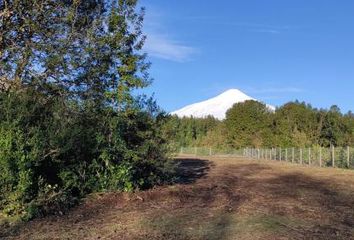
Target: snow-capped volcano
216, 107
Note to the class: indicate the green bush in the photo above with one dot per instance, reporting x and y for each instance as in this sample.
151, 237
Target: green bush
52, 154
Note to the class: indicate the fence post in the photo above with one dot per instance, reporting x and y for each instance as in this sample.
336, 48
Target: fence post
264, 154
255, 153
286, 154
309, 156
210, 151
301, 156
280, 154
259, 153
333, 165
320, 156
348, 157
267, 151
268, 155
293, 157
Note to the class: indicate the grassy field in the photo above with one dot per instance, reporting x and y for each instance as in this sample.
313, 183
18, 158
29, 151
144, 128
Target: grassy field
216, 198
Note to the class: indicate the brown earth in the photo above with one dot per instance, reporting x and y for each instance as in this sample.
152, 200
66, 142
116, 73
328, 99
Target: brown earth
217, 198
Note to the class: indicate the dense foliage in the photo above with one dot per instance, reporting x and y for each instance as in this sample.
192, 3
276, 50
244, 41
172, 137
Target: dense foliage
252, 124
69, 123
188, 131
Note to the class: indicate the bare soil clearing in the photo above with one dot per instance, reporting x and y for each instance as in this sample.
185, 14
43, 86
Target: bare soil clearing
216, 198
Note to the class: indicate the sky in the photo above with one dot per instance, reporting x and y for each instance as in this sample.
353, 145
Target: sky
275, 50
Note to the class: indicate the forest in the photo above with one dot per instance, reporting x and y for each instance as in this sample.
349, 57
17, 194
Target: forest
252, 124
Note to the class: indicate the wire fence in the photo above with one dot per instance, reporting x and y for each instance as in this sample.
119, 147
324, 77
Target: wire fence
339, 157
208, 151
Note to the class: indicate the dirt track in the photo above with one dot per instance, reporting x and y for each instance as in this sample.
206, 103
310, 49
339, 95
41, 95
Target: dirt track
217, 198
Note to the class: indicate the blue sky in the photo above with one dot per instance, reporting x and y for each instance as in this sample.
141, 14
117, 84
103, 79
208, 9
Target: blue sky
275, 50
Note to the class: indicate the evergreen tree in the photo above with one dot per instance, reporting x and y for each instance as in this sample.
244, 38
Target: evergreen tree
246, 124
295, 125
333, 128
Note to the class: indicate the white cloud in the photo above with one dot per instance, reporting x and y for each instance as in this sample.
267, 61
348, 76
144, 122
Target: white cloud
160, 46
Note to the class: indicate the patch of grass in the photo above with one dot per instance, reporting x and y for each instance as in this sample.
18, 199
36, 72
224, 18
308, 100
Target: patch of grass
216, 225
192, 224
268, 223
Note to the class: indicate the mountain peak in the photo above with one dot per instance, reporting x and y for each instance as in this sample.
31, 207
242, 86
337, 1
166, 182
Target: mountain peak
216, 107
233, 93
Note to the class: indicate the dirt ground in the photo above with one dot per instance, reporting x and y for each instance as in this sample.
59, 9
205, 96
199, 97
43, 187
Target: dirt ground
217, 198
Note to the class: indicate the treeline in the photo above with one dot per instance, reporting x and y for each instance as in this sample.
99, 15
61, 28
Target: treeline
69, 124
252, 124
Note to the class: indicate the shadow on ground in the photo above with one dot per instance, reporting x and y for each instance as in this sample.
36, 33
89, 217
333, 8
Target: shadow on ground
200, 206
189, 170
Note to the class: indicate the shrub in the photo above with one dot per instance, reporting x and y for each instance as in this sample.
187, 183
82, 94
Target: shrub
52, 154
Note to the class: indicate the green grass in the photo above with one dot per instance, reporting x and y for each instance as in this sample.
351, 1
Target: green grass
198, 224
269, 223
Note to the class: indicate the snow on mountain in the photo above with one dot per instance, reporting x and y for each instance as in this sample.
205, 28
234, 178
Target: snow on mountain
217, 106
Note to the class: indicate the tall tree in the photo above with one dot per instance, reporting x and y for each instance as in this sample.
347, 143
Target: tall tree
247, 123
332, 132
295, 124
86, 49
